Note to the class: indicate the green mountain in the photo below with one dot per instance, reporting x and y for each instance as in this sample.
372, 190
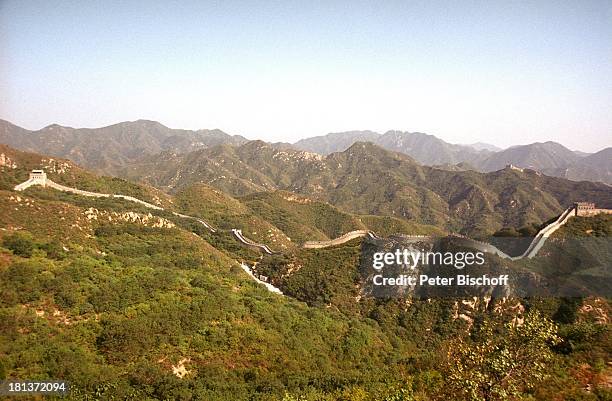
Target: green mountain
368, 180
107, 148
595, 167
550, 158
545, 157
128, 302
282, 220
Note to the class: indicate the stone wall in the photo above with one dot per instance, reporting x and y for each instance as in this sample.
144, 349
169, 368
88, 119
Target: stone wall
592, 212
248, 242
337, 241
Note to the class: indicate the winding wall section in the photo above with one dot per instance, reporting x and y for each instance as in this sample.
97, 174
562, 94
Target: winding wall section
45, 182
250, 243
532, 250
340, 240
534, 247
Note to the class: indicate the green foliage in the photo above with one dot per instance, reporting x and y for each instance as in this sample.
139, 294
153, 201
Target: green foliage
528, 231
401, 395
118, 317
581, 227
112, 307
21, 243
301, 218
507, 232
503, 361
224, 213
318, 276
567, 310
387, 225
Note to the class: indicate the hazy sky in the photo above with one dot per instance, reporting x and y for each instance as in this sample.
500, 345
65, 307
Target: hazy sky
503, 72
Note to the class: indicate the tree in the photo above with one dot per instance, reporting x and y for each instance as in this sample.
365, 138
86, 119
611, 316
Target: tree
21, 243
401, 395
528, 231
507, 232
503, 361
54, 250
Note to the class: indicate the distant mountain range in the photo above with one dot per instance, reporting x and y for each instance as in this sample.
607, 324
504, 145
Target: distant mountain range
109, 149
366, 179
364, 186
596, 167
484, 146
549, 157
424, 148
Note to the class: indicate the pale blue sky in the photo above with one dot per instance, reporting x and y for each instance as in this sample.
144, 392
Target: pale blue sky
503, 72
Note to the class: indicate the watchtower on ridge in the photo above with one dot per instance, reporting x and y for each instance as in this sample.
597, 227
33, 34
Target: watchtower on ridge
589, 209
39, 177
584, 205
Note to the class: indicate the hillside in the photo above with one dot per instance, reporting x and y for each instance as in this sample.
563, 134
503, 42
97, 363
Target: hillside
16, 165
544, 157
549, 158
252, 167
140, 309
280, 219
426, 149
300, 217
107, 148
595, 167
124, 301
368, 180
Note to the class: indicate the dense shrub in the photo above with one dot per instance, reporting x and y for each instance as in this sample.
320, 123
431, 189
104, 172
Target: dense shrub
21, 243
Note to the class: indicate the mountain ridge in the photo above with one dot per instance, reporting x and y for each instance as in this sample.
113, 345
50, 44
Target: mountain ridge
367, 179
110, 148
548, 157
107, 148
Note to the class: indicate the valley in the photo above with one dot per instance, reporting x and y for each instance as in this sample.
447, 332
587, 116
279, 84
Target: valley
238, 242
39, 177
305, 201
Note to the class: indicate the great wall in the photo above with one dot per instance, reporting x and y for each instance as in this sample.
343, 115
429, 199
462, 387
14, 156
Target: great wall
240, 237
340, 240
39, 177
584, 209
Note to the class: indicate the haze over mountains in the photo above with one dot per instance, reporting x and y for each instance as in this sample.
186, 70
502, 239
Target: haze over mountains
549, 157
426, 149
369, 180
484, 146
112, 286
108, 149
